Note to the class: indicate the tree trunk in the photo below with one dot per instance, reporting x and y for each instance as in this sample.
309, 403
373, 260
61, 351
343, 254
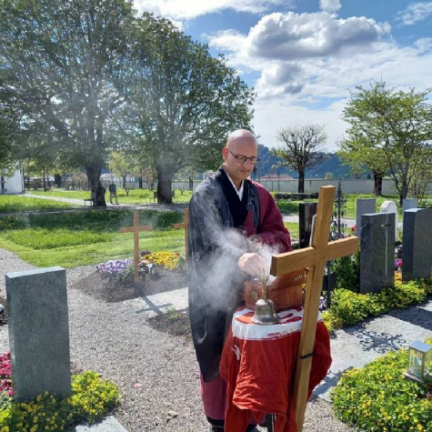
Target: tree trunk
97, 190
124, 182
164, 186
140, 181
378, 178
301, 179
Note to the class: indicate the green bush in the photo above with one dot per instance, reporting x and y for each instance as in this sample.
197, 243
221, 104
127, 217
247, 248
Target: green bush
347, 269
92, 398
377, 398
348, 308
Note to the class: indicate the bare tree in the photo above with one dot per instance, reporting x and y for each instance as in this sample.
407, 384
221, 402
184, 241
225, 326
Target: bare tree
301, 148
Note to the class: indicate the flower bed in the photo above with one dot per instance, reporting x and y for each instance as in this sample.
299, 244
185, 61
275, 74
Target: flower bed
377, 397
169, 260
348, 308
91, 399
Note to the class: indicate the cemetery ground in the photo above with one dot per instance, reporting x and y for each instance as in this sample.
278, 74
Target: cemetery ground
151, 358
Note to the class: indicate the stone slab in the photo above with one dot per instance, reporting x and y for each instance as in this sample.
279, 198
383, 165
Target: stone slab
39, 332
355, 346
157, 304
110, 424
409, 203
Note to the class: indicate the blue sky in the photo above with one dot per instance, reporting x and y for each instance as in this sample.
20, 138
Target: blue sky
303, 57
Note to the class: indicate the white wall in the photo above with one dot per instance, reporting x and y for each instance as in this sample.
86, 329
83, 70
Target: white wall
14, 184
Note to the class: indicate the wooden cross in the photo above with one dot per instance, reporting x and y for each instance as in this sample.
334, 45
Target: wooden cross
185, 225
315, 258
136, 229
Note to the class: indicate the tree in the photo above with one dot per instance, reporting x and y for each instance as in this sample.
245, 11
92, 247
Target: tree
301, 148
122, 164
360, 155
181, 102
60, 61
391, 126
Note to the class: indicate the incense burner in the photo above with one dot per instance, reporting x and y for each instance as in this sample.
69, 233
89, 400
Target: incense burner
285, 292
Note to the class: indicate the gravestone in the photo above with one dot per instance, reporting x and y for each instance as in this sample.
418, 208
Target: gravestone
306, 213
409, 203
39, 332
390, 207
377, 246
417, 244
364, 206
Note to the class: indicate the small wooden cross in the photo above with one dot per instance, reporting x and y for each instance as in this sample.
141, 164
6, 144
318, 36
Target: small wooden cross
185, 225
136, 229
315, 258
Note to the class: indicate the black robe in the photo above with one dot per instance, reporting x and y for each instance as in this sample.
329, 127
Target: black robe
216, 243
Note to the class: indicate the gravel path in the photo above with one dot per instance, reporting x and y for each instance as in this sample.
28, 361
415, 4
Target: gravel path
114, 340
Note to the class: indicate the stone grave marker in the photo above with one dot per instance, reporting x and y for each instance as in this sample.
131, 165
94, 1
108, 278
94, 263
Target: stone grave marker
417, 244
39, 332
390, 207
364, 206
306, 213
409, 203
377, 245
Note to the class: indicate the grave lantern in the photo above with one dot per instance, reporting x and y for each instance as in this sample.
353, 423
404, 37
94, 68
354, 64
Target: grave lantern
419, 361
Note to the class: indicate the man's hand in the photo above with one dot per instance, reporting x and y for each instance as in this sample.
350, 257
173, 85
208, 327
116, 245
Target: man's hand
252, 263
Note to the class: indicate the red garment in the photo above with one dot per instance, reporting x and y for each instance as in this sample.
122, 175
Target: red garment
258, 363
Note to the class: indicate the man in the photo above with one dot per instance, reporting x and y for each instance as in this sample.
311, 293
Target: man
229, 215
113, 192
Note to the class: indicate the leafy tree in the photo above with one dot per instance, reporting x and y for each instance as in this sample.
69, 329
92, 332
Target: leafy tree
122, 164
358, 152
181, 102
392, 126
301, 148
60, 61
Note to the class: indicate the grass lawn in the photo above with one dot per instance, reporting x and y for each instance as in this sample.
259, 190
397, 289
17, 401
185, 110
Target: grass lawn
136, 196
17, 203
90, 237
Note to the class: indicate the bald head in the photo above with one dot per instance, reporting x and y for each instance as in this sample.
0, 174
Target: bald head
240, 134
241, 144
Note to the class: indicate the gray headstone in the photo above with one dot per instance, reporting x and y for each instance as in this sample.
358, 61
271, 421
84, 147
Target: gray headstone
306, 213
364, 206
390, 207
417, 244
409, 203
377, 252
39, 332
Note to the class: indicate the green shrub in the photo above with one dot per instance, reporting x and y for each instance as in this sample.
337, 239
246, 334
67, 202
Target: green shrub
347, 269
92, 398
348, 308
378, 398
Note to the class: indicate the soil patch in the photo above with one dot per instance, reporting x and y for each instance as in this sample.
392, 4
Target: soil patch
101, 287
175, 323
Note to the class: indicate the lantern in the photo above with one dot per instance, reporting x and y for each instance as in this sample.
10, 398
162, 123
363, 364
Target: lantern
419, 361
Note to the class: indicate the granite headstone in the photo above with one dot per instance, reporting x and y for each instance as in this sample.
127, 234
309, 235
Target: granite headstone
39, 332
417, 244
377, 244
306, 213
409, 203
364, 206
390, 207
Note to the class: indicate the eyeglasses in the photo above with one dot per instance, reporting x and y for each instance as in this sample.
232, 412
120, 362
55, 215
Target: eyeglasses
242, 159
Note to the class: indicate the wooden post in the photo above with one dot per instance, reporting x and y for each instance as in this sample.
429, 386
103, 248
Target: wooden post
185, 225
136, 229
315, 258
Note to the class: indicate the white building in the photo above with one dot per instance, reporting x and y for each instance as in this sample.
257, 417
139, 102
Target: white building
11, 184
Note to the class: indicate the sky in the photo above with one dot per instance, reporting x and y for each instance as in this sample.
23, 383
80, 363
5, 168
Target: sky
305, 57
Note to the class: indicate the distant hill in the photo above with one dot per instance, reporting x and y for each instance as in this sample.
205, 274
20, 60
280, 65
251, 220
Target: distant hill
330, 164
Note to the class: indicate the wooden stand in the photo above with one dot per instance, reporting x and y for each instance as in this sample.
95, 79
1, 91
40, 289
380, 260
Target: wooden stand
315, 258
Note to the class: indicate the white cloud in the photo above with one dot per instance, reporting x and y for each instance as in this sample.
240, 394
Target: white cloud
189, 9
415, 12
330, 6
294, 36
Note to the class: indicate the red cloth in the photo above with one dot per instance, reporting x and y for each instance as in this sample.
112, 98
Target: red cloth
258, 363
